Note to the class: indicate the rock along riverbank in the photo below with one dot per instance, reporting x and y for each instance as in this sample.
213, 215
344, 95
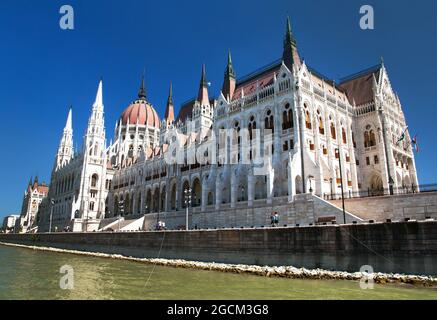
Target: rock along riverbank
265, 271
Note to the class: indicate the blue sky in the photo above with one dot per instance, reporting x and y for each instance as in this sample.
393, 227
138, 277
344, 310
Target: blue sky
44, 70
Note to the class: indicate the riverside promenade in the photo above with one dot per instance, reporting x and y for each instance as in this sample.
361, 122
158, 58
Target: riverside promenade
397, 247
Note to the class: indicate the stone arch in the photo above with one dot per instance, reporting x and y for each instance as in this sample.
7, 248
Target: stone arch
155, 199
260, 188
173, 197
127, 204
148, 200
376, 186
196, 199
210, 198
138, 203
298, 184
162, 198
94, 180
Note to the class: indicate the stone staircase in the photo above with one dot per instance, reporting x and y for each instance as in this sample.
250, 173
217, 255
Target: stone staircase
378, 209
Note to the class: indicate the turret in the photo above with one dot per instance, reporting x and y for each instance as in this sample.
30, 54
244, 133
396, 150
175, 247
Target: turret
169, 111
65, 149
203, 97
229, 81
290, 54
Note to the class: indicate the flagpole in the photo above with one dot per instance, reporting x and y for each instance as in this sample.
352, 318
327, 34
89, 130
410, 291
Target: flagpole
384, 138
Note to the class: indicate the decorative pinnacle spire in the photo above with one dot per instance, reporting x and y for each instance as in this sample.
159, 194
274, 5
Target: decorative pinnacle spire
170, 95
142, 94
290, 56
203, 82
30, 181
169, 111
69, 123
203, 97
289, 37
99, 95
229, 68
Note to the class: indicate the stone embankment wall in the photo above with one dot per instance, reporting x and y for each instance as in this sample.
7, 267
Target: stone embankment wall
304, 210
417, 206
405, 247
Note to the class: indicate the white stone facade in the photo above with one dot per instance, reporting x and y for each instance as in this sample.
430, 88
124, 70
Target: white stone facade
317, 127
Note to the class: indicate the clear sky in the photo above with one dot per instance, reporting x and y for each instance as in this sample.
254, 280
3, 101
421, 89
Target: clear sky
44, 70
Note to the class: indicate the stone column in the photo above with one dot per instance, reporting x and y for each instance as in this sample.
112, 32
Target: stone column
218, 193
290, 182
250, 189
233, 189
167, 197
204, 199
270, 180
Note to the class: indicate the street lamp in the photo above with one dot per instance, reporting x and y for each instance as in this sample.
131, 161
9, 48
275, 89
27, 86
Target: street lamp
330, 182
341, 180
390, 184
310, 178
52, 201
187, 193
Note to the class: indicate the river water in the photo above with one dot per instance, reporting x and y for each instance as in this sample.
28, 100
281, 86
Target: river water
28, 274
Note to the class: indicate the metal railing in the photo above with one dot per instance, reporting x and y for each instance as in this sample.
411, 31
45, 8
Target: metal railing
412, 189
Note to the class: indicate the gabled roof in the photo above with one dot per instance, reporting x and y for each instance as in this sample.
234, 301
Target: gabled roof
186, 110
262, 77
359, 86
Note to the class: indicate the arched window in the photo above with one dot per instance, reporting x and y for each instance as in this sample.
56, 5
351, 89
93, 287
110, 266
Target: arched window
369, 138
252, 127
372, 138
321, 126
236, 142
333, 134
366, 139
287, 118
94, 180
269, 121
343, 135
91, 206
307, 120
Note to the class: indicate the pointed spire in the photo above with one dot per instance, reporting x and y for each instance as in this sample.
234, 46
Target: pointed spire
69, 123
142, 94
229, 82
169, 112
30, 181
229, 73
203, 82
203, 97
170, 95
289, 37
290, 55
99, 96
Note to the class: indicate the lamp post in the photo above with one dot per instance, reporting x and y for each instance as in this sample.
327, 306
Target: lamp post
310, 178
390, 184
330, 181
52, 201
341, 184
187, 193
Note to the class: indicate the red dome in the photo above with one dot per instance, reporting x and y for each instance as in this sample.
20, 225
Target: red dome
142, 112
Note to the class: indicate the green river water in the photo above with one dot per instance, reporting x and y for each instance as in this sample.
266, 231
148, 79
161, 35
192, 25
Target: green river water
28, 274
